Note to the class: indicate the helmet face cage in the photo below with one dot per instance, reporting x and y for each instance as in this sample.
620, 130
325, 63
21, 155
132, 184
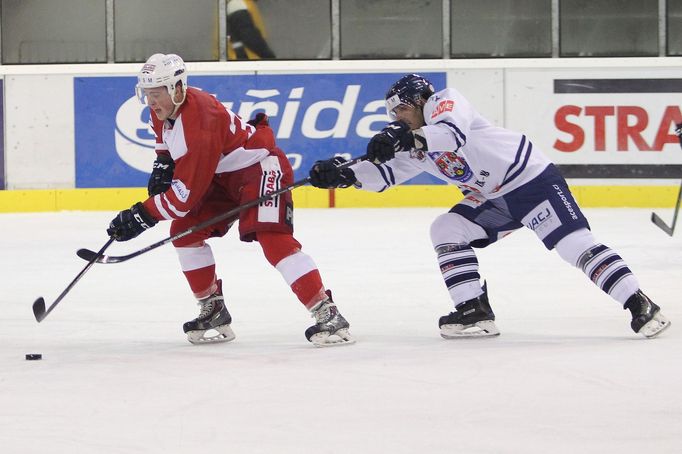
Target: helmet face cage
411, 90
162, 71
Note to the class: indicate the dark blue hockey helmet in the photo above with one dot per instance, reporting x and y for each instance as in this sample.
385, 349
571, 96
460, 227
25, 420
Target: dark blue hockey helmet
412, 90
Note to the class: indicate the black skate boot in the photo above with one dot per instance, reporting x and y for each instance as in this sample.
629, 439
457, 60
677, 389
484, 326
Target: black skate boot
213, 317
472, 318
331, 328
647, 319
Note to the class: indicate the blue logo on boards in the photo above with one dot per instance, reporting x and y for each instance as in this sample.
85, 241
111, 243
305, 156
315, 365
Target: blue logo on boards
314, 116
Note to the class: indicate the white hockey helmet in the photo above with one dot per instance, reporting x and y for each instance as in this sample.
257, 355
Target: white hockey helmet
162, 70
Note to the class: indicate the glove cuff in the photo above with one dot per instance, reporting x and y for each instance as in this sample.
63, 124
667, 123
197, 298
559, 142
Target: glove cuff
146, 220
164, 158
348, 178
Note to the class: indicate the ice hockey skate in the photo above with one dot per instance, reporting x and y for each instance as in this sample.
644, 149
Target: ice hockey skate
213, 323
472, 318
331, 329
647, 319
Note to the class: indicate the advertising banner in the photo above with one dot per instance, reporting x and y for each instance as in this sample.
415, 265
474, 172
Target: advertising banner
314, 116
595, 125
2, 134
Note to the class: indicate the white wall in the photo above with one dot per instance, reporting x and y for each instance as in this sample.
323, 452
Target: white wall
39, 104
39, 132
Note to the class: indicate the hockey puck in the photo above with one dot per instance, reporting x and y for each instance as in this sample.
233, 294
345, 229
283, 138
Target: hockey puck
34, 356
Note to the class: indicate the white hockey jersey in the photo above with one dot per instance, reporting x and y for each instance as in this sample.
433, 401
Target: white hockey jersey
464, 149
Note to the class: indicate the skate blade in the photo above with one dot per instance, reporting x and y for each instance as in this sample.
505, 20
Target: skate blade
485, 328
655, 326
341, 337
223, 333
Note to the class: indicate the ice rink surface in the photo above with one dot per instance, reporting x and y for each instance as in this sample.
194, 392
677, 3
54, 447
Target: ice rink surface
567, 375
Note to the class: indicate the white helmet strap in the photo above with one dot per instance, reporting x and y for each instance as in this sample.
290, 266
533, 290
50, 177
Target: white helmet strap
172, 94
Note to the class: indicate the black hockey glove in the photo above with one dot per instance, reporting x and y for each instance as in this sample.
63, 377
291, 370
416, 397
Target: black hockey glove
259, 119
162, 175
130, 223
326, 174
678, 131
394, 137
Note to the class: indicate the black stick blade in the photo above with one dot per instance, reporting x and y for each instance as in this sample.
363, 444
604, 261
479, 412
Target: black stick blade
39, 309
86, 254
656, 219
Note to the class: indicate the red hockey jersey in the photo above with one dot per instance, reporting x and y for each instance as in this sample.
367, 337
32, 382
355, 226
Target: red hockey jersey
206, 138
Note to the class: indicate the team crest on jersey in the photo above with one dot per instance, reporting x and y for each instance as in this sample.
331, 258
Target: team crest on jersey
452, 166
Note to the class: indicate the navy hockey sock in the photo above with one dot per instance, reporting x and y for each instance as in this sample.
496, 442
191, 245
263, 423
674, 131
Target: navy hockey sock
608, 271
459, 267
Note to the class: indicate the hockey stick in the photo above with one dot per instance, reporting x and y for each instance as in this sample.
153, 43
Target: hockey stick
39, 305
98, 257
656, 219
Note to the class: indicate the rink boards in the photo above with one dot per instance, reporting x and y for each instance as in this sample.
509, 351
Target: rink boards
86, 145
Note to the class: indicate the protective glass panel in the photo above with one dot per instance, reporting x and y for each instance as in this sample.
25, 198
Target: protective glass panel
501, 28
39, 31
674, 27
391, 28
608, 28
276, 29
186, 28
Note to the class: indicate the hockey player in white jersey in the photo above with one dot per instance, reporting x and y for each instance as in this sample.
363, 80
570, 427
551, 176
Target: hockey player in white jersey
507, 184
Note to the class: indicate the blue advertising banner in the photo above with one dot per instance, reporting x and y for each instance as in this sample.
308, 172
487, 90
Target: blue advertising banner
2, 134
314, 116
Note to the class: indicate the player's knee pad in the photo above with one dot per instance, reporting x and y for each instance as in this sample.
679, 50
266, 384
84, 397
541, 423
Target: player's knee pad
277, 245
455, 229
573, 245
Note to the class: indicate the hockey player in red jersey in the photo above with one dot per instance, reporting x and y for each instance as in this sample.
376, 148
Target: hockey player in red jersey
209, 161
507, 184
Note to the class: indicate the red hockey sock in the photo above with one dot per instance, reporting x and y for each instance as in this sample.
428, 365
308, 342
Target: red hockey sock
297, 268
309, 289
202, 281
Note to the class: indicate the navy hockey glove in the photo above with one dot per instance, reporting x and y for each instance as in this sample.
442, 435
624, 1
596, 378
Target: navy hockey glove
162, 175
394, 137
130, 223
326, 174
